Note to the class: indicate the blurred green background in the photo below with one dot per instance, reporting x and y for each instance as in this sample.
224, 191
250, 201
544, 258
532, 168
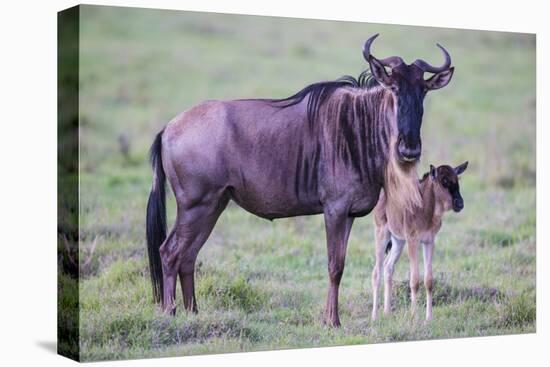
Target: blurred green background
262, 285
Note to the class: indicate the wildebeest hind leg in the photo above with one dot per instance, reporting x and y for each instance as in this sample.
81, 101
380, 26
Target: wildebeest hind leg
169, 274
194, 227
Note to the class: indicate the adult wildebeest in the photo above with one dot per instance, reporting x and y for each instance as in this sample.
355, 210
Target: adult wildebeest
328, 149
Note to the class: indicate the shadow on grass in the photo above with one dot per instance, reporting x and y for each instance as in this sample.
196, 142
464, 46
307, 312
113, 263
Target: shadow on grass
445, 293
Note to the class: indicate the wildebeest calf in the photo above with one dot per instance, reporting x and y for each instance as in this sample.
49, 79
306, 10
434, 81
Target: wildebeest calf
393, 228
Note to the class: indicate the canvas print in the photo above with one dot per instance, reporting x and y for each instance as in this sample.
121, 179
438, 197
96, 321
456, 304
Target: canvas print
234, 183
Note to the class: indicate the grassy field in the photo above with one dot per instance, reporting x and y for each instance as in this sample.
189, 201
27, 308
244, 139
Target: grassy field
262, 285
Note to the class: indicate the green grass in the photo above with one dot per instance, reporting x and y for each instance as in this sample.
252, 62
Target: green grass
262, 285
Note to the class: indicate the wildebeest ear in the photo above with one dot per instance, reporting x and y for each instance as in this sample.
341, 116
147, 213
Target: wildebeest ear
433, 171
461, 168
440, 80
379, 72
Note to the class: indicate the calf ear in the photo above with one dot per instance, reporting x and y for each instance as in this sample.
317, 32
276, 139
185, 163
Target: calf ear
379, 72
433, 171
440, 80
461, 168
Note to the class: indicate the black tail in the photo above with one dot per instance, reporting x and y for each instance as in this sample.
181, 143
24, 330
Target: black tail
156, 218
388, 246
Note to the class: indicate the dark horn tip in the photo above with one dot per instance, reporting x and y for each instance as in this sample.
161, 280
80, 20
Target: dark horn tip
442, 48
366, 46
369, 41
447, 56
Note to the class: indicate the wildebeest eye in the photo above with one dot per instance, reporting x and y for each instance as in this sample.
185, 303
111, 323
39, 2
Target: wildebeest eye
445, 182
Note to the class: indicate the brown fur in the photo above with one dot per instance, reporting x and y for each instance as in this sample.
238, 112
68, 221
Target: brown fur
419, 217
401, 185
413, 225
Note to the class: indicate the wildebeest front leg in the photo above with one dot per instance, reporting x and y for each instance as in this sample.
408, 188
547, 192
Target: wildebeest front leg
338, 225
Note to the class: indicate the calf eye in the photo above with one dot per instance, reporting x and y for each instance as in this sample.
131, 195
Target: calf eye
445, 182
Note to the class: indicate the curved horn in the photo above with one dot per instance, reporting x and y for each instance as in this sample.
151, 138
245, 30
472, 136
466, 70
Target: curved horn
433, 69
391, 61
366, 47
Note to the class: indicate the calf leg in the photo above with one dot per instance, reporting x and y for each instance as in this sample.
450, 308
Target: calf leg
412, 247
382, 236
428, 278
338, 225
389, 268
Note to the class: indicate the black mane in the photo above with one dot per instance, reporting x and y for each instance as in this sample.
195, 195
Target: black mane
319, 92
